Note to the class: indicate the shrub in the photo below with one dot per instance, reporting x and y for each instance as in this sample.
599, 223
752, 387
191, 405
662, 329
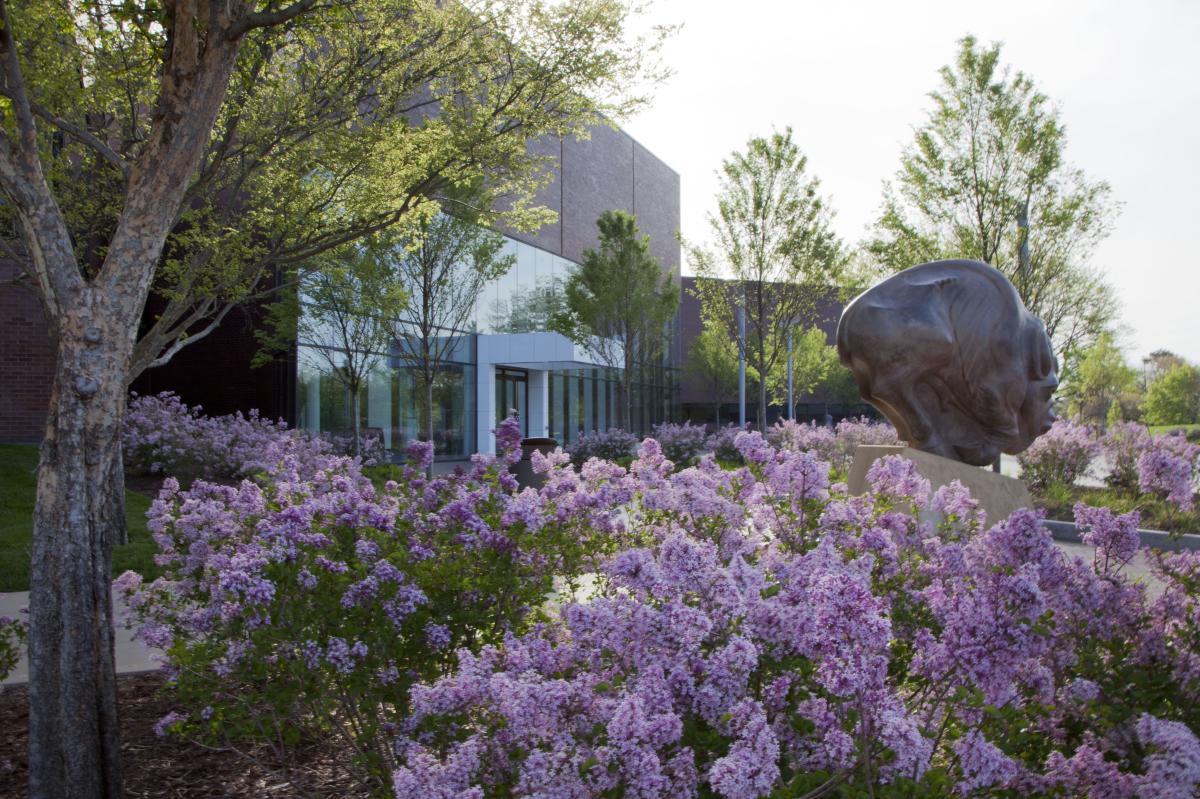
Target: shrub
1062, 455
613, 444
758, 633
1122, 445
12, 639
294, 608
681, 443
721, 444
882, 655
162, 435
811, 437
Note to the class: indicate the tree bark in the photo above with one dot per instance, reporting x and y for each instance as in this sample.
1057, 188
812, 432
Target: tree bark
428, 399
73, 736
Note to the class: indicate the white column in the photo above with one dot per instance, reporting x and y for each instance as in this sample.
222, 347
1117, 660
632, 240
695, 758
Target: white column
538, 387
379, 403
485, 408
313, 402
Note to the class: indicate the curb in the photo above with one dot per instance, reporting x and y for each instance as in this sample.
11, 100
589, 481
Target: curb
1154, 539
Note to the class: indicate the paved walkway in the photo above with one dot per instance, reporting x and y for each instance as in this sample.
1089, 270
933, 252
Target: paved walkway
134, 656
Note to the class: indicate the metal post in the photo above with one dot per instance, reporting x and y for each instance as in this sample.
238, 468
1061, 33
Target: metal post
791, 414
741, 317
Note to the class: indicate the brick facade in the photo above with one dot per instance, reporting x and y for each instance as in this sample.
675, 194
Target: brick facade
26, 360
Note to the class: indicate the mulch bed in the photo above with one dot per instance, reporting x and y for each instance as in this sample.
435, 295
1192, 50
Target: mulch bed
167, 767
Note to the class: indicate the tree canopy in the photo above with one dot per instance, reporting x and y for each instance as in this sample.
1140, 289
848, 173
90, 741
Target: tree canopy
774, 253
618, 303
992, 147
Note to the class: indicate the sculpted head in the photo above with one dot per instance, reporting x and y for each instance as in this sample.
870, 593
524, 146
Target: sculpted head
950, 355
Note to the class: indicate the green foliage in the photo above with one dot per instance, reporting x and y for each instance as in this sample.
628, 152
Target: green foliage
774, 252
1174, 398
361, 117
1099, 378
992, 145
618, 303
712, 362
18, 490
813, 362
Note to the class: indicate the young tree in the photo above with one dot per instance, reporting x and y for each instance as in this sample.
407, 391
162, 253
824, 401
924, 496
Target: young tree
712, 362
328, 127
442, 267
341, 310
772, 239
813, 359
618, 304
1098, 379
1174, 398
991, 148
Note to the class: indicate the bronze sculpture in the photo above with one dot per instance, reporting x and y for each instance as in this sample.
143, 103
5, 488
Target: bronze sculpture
950, 355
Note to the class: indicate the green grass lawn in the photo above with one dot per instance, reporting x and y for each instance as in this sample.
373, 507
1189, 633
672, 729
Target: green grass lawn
17, 490
1160, 429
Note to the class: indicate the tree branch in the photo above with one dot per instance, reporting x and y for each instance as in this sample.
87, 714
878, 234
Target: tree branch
268, 19
70, 128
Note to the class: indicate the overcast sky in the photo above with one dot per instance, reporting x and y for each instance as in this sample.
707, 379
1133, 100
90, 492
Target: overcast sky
852, 79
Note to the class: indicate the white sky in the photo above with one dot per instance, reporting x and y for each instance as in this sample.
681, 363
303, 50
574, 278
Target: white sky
851, 78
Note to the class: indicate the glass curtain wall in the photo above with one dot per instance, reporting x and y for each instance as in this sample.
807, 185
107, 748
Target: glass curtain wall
391, 400
521, 301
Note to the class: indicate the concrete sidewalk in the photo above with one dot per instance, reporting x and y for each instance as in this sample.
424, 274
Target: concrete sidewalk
131, 656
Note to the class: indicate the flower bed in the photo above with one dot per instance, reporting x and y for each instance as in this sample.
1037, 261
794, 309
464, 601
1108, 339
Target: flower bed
752, 632
1156, 476
163, 436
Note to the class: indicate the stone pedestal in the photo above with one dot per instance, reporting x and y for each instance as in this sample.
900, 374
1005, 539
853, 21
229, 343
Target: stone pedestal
997, 494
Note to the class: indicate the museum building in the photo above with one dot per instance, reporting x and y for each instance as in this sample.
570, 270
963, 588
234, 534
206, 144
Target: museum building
504, 359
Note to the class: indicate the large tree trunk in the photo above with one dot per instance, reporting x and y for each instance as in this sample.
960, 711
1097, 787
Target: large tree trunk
73, 736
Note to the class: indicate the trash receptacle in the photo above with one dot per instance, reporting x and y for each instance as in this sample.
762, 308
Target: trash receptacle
523, 469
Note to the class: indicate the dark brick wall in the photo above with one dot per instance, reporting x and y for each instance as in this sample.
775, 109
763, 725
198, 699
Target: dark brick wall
608, 171
26, 361
692, 392
215, 372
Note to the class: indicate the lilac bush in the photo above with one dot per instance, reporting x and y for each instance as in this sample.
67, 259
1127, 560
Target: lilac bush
876, 654
611, 445
750, 632
284, 608
721, 444
804, 437
162, 435
1122, 445
1060, 456
681, 443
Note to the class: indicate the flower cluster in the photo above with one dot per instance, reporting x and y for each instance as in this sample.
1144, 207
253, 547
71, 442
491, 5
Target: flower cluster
742, 632
611, 445
834, 445
162, 435
284, 605
1059, 457
681, 443
1122, 445
1168, 468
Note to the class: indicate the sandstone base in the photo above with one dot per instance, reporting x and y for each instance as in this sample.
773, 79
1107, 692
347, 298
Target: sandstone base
997, 494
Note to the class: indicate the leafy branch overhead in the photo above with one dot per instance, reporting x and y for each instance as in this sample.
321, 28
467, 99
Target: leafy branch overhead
336, 125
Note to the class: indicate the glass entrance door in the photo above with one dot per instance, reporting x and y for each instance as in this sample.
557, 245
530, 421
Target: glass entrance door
512, 394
